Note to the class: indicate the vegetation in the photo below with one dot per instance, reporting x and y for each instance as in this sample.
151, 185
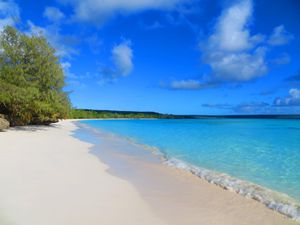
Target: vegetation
31, 80
106, 114
90, 114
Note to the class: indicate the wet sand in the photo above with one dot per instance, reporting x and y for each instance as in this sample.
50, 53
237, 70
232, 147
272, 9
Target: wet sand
176, 195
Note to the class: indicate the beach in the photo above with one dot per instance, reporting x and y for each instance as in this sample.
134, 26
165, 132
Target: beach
49, 176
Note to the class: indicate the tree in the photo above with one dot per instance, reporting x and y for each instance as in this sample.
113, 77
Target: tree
31, 80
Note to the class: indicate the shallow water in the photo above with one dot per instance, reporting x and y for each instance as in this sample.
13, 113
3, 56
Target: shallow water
262, 151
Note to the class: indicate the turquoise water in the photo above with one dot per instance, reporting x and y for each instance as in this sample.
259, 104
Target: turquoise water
262, 151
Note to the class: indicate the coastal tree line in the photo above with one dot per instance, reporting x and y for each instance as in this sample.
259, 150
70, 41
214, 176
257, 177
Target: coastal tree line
106, 114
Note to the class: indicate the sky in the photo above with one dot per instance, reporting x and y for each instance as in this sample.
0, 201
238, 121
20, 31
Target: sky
171, 56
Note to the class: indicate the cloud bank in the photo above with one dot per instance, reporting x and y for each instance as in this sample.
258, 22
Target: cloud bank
231, 51
291, 101
98, 11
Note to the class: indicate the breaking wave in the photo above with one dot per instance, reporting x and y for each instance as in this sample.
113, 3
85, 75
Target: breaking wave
279, 202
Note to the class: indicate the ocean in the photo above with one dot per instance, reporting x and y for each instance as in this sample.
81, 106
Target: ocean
249, 156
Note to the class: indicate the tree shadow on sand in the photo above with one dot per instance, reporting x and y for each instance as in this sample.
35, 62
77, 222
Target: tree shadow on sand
34, 128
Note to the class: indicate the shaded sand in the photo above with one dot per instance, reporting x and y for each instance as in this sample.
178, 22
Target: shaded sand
47, 177
175, 195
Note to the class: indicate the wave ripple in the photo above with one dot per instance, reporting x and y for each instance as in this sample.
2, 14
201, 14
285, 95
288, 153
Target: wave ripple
272, 199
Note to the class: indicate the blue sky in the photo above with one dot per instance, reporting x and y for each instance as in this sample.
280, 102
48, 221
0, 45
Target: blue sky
171, 56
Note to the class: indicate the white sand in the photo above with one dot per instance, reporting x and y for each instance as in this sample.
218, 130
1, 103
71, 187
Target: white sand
47, 177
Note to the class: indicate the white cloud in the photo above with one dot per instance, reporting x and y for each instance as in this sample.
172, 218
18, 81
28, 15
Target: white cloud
75, 80
231, 51
185, 84
9, 13
292, 100
97, 11
231, 33
295, 93
61, 43
53, 14
280, 36
66, 66
153, 26
217, 106
188, 84
122, 58
241, 66
35, 30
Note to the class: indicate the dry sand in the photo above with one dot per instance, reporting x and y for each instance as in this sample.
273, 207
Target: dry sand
48, 177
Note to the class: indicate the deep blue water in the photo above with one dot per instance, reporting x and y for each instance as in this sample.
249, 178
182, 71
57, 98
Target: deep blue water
262, 151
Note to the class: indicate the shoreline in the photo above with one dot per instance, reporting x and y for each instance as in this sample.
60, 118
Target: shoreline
67, 175
274, 200
277, 201
156, 161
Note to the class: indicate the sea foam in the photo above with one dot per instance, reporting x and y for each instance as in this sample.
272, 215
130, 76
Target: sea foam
279, 202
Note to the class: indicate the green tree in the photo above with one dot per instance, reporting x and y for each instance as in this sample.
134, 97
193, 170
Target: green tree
31, 80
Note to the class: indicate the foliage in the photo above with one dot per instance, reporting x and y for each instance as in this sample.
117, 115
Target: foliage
105, 114
31, 80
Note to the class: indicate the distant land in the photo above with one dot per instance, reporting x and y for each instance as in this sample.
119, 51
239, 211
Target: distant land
92, 113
